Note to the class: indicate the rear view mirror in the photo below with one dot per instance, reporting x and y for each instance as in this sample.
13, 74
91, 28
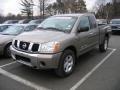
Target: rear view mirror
83, 29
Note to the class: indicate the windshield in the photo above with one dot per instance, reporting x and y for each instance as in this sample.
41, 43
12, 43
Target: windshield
23, 21
13, 30
7, 22
115, 22
30, 28
2, 28
35, 22
10, 21
64, 24
32, 22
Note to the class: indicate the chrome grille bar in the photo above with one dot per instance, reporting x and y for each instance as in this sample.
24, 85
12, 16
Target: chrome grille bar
18, 43
39, 49
30, 47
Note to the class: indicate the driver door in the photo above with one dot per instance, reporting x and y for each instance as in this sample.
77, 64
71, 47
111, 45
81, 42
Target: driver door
83, 37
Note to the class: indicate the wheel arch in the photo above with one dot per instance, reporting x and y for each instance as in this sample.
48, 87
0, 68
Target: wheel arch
7, 45
72, 48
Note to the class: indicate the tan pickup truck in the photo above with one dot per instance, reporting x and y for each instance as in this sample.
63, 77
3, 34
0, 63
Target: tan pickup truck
58, 41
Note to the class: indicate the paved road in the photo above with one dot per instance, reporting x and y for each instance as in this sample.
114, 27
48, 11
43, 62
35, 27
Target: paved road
9, 84
105, 77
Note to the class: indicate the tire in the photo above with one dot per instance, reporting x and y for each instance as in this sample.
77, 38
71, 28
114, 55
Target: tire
103, 47
7, 52
66, 64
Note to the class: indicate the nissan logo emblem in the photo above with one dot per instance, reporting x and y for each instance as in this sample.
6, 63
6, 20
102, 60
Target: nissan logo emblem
24, 45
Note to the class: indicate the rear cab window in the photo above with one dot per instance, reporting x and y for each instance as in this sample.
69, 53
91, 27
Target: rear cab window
92, 21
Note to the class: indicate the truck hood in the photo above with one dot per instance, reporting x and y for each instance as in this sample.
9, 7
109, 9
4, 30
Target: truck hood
6, 38
41, 36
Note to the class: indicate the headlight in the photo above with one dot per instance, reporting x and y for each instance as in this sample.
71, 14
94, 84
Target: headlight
50, 47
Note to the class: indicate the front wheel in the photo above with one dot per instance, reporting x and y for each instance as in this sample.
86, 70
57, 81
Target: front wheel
103, 47
7, 52
67, 64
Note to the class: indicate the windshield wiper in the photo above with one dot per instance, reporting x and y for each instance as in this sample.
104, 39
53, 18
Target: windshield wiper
5, 34
8, 34
52, 28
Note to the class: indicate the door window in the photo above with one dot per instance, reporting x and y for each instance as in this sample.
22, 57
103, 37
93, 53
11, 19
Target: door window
84, 22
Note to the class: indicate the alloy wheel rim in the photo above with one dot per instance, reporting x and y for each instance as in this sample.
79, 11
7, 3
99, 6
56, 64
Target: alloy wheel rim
8, 51
68, 63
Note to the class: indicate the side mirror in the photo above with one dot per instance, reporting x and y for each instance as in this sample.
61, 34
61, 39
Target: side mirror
83, 29
102, 24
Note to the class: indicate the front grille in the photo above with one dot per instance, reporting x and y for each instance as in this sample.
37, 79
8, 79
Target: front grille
15, 43
35, 47
24, 45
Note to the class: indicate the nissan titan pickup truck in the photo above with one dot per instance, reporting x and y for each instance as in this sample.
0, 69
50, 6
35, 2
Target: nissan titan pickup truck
59, 41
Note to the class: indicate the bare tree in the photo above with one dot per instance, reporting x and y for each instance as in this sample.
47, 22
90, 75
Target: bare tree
42, 6
49, 9
27, 8
69, 6
116, 6
74, 6
55, 8
107, 10
99, 8
1, 17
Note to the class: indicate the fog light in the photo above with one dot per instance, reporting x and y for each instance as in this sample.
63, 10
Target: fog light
42, 64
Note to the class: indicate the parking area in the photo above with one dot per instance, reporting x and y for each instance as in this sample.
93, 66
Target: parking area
94, 71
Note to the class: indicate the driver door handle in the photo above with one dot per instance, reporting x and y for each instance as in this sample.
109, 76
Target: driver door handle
91, 33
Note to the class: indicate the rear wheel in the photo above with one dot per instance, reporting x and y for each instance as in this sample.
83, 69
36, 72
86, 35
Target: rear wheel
67, 64
103, 47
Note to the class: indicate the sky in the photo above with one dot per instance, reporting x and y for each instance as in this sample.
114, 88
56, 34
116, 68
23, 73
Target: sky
13, 6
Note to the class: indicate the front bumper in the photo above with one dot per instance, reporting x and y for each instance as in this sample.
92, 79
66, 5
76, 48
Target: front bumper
38, 61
